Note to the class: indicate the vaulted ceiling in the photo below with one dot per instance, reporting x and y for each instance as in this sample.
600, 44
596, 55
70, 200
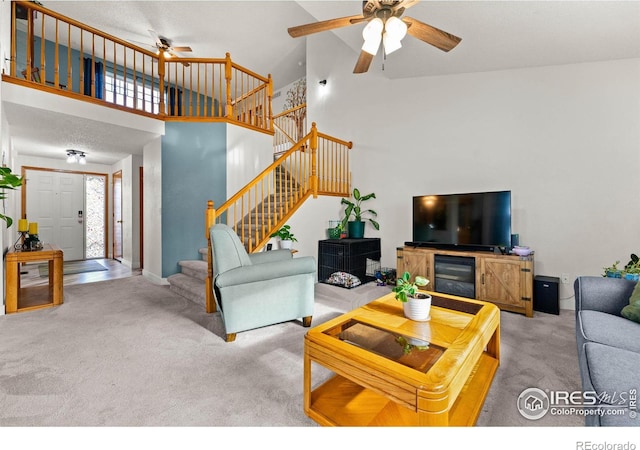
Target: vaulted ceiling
496, 35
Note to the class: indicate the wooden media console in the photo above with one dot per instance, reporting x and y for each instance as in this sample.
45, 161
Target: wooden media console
505, 280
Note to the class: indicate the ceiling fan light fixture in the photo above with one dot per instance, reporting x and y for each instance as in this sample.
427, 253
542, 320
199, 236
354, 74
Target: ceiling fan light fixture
390, 44
394, 31
372, 35
395, 28
371, 45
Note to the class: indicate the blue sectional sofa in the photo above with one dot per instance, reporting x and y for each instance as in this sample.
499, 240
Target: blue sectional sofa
609, 348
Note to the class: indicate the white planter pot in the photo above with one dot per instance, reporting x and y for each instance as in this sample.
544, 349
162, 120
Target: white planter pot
286, 244
418, 309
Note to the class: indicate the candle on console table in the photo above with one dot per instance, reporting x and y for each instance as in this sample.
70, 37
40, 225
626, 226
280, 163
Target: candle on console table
33, 228
23, 225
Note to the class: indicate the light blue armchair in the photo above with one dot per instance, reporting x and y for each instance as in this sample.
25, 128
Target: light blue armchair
259, 289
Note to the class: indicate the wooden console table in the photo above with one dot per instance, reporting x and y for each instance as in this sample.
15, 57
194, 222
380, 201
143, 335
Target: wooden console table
35, 297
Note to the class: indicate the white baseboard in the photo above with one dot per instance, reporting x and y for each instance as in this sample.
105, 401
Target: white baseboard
154, 278
130, 265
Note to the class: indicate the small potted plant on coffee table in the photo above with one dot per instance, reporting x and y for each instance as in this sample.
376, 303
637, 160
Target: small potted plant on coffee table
416, 304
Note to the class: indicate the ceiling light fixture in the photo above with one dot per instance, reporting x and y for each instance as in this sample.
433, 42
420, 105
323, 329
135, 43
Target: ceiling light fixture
372, 35
390, 32
75, 156
394, 31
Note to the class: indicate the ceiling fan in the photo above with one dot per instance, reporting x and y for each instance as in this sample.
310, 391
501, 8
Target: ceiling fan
163, 44
384, 24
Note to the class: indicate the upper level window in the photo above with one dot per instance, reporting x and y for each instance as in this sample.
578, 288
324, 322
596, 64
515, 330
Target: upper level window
125, 92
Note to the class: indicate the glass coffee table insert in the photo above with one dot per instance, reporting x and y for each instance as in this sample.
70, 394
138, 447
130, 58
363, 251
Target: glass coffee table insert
415, 353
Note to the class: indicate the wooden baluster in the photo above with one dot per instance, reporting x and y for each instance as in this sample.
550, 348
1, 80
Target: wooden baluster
314, 148
43, 63
210, 217
56, 62
227, 76
161, 69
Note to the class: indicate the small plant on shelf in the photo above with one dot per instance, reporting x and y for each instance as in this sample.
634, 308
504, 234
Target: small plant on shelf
286, 237
631, 270
356, 227
405, 288
285, 234
613, 271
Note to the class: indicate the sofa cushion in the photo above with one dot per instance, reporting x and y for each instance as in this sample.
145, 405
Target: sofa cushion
603, 328
228, 251
632, 310
614, 376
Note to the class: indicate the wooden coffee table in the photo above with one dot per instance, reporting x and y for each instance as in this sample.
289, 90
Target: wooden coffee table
392, 371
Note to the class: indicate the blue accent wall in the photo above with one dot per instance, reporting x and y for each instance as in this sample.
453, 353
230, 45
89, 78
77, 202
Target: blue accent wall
194, 170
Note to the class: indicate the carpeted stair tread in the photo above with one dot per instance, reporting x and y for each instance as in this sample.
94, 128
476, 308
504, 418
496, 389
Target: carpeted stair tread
194, 268
188, 287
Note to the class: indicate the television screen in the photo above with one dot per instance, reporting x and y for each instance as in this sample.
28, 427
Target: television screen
476, 219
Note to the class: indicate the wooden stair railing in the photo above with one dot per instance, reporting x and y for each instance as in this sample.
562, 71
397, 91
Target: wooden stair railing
84, 63
289, 127
316, 165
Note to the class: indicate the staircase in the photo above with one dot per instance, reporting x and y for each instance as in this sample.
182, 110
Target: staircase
190, 282
316, 165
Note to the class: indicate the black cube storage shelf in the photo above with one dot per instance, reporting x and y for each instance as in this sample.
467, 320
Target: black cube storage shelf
347, 255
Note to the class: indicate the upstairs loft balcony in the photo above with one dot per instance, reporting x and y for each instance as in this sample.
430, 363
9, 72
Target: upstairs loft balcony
57, 54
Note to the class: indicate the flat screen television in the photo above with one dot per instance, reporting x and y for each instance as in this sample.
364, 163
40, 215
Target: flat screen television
478, 221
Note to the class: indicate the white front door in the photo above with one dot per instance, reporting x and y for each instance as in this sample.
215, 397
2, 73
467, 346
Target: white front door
56, 201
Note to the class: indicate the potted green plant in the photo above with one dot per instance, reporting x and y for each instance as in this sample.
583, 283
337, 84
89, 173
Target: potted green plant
335, 229
416, 305
8, 181
613, 271
631, 270
354, 208
286, 237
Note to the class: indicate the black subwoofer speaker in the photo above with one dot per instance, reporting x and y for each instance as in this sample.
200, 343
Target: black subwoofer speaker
545, 294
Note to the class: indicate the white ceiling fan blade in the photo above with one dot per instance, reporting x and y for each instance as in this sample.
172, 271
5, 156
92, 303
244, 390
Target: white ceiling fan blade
155, 38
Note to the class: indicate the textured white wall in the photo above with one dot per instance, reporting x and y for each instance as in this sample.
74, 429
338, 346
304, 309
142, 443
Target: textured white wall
130, 209
248, 153
563, 139
152, 214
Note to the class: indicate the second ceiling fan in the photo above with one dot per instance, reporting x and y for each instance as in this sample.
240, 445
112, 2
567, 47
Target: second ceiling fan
385, 26
163, 45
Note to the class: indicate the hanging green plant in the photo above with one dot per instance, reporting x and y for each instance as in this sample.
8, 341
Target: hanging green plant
8, 181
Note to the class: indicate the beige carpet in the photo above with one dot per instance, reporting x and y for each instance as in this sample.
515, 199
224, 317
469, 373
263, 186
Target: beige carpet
130, 353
